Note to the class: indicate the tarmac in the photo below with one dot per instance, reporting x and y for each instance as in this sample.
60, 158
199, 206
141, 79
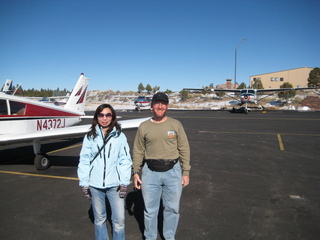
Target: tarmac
253, 176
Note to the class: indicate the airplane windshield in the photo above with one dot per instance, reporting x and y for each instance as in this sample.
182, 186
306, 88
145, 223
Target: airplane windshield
251, 91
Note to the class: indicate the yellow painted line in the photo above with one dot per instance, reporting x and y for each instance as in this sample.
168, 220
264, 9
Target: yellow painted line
280, 142
39, 175
281, 146
66, 148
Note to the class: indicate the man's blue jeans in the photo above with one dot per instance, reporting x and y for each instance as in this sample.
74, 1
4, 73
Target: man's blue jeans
100, 213
168, 187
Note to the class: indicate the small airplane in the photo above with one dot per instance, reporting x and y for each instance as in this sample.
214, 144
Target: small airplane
55, 100
28, 121
248, 95
142, 103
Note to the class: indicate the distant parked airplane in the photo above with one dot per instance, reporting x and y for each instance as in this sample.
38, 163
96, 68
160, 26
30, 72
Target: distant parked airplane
248, 95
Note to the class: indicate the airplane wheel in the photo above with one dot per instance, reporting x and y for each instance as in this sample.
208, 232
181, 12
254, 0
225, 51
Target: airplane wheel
41, 162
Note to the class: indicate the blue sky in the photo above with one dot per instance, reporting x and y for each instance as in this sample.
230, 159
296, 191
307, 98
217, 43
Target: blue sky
171, 44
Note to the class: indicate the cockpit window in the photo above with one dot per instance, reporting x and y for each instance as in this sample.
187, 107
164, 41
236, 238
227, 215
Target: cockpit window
17, 108
3, 107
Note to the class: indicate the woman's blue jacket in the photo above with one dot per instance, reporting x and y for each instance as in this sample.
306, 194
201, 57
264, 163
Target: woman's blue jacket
112, 167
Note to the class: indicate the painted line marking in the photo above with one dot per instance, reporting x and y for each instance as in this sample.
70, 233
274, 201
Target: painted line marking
280, 142
66, 148
293, 196
281, 145
39, 175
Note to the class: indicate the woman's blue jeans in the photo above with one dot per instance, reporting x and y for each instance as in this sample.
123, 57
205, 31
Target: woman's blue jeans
168, 187
100, 213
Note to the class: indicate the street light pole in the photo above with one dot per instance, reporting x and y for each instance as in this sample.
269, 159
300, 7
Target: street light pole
235, 62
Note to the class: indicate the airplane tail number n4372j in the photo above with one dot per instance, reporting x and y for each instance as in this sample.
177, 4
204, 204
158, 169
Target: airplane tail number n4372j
28, 121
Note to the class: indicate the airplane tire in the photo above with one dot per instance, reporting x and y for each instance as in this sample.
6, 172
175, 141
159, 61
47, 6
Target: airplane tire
41, 162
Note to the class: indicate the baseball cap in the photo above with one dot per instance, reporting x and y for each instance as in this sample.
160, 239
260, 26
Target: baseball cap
160, 97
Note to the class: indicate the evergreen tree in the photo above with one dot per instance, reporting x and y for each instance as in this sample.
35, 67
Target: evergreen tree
287, 94
155, 89
140, 88
148, 88
242, 86
257, 84
184, 95
314, 77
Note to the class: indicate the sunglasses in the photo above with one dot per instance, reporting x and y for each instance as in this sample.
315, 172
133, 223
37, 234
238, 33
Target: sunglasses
101, 115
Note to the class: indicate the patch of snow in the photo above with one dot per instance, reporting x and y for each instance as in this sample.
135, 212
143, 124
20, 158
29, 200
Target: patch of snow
303, 109
290, 107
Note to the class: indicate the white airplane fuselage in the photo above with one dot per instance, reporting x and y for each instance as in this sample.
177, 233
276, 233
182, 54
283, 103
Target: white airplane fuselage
19, 116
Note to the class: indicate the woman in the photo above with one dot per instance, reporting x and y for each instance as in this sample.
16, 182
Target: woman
104, 171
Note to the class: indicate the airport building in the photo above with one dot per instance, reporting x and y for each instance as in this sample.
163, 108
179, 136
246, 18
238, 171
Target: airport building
227, 85
298, 77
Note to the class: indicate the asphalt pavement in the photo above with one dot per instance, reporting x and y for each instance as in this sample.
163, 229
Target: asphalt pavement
253, 176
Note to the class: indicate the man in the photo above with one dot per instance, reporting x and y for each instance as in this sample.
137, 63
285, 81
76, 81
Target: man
161, 148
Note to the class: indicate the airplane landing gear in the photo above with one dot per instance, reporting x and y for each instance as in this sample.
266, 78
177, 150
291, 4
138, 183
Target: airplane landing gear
41, 162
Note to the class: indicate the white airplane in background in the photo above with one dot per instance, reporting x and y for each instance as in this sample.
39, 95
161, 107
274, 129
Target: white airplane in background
29, 121
248, 95
142, 103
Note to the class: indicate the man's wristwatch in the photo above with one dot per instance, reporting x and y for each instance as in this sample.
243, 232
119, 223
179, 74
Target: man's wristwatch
134, 173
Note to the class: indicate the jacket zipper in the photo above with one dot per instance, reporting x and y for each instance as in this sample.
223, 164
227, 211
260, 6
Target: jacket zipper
105, 166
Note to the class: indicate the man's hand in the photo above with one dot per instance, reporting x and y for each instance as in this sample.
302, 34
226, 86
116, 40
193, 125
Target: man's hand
185, 181
137, 181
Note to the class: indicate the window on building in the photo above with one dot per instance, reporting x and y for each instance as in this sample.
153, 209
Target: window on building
281, 79
272, 79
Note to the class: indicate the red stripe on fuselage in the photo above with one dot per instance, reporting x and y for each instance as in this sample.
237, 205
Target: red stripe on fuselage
35, 110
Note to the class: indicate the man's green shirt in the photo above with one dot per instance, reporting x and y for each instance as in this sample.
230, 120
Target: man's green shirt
163, 141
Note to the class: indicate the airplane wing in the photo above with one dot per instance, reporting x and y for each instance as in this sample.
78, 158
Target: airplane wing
227, 90
283, 89
257, 90
212, 90
68, 132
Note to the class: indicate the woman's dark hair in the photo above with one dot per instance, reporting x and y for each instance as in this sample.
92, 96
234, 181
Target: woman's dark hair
114, 122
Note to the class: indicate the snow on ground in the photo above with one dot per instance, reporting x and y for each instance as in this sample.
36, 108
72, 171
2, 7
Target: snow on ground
120, 104
180, 105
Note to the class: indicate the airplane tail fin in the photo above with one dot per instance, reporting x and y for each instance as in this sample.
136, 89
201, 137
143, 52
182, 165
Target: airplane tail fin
7, 87
77, 98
